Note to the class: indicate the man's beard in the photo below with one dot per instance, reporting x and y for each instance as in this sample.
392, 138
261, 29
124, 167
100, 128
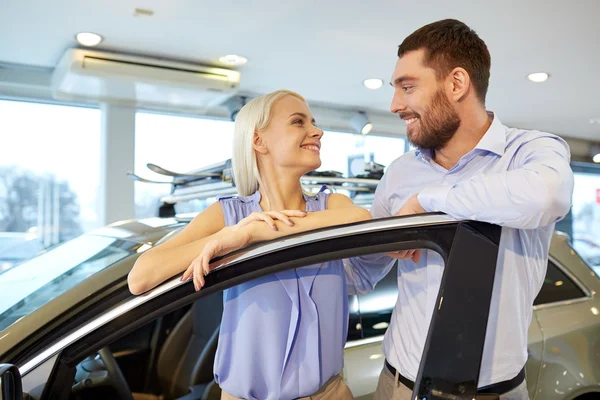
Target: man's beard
437, 127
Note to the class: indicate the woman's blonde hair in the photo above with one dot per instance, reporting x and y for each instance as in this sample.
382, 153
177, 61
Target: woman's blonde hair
254, 116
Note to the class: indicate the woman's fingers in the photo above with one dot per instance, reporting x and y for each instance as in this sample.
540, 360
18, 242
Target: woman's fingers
294, 213
276, 215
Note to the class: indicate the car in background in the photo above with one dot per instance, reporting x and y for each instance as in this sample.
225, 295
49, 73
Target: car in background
16, 247
589, 249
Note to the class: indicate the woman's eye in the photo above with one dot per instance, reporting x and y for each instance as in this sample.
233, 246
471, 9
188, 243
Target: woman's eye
299, 121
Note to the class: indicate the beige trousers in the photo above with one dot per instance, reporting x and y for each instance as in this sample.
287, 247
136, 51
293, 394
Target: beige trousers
334, 389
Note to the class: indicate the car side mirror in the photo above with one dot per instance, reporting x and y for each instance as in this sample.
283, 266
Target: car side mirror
10, 383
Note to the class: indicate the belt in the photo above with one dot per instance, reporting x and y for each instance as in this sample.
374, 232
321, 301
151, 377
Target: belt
496, 388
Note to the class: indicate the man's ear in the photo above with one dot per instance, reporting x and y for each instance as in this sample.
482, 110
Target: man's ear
460, 82
259, 144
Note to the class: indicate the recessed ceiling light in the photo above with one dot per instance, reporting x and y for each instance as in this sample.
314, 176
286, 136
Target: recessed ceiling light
538, 77
233, 60
142, 12
88, 39
373, 83
596, 158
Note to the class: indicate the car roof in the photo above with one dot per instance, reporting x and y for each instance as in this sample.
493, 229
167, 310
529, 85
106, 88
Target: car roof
144, 231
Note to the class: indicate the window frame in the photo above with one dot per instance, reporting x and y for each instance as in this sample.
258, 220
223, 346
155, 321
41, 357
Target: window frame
587, 294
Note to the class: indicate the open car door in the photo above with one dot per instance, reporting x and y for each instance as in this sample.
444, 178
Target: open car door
451, 359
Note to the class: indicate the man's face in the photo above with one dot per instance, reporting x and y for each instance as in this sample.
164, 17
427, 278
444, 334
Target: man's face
420, 99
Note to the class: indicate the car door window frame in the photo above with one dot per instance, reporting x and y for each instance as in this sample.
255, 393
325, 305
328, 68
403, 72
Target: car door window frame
432, 231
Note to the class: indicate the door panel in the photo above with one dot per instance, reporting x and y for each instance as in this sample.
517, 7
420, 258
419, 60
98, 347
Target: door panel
362, 366
535, 351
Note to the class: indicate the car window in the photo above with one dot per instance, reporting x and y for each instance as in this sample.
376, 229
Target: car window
376, 307
557, 287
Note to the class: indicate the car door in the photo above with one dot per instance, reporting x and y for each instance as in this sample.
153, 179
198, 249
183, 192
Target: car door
453, 348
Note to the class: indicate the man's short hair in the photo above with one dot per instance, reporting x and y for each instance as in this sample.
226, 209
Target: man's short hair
449, 44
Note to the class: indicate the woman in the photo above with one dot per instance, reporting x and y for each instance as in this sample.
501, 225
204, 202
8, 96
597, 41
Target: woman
281, 336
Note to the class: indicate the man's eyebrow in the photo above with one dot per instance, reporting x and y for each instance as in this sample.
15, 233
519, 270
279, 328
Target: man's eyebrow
402, 79
302, 115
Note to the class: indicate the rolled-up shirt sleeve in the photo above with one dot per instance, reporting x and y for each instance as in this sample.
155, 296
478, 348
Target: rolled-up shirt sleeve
535, 193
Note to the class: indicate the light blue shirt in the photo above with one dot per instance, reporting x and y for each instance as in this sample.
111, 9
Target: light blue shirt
282, 336
515, 178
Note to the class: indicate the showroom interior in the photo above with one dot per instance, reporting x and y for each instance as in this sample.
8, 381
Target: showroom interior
96, 99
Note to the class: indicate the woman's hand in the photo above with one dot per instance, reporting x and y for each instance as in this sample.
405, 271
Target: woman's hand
233, 238
225, 241
270, 216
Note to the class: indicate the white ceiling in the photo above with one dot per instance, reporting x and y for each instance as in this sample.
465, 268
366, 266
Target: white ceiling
324, 49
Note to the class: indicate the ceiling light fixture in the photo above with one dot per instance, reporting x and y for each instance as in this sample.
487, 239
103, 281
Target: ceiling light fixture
234, 105
538, 77
595, 153
233, 60
373, 83
361, 124
88, 39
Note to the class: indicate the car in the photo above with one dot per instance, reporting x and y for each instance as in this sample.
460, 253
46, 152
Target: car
589, 249
70, 328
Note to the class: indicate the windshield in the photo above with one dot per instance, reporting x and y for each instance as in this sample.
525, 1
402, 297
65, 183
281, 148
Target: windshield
30, 285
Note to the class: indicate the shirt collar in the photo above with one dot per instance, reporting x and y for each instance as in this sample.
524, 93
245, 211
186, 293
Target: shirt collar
494, 140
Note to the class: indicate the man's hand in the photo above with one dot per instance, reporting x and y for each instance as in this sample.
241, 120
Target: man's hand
411, 207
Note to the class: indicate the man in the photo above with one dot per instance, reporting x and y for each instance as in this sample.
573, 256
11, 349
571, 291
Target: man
469, 166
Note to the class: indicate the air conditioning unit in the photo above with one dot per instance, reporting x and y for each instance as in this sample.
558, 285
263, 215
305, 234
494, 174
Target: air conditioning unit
140, 81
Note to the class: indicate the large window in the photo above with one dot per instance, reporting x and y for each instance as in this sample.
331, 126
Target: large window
340, 150
176, 143
49, 176
586, 215
182, 143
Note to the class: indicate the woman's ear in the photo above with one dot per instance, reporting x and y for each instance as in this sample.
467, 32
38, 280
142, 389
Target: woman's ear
259, 144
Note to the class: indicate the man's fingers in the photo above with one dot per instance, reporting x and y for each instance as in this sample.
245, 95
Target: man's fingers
416, 257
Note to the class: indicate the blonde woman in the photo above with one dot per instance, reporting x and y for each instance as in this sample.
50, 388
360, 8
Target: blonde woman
282, 336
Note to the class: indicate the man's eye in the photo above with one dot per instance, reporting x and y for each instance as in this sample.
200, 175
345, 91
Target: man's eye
406, 88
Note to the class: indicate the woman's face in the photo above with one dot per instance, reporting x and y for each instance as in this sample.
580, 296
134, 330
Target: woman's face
291, 140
